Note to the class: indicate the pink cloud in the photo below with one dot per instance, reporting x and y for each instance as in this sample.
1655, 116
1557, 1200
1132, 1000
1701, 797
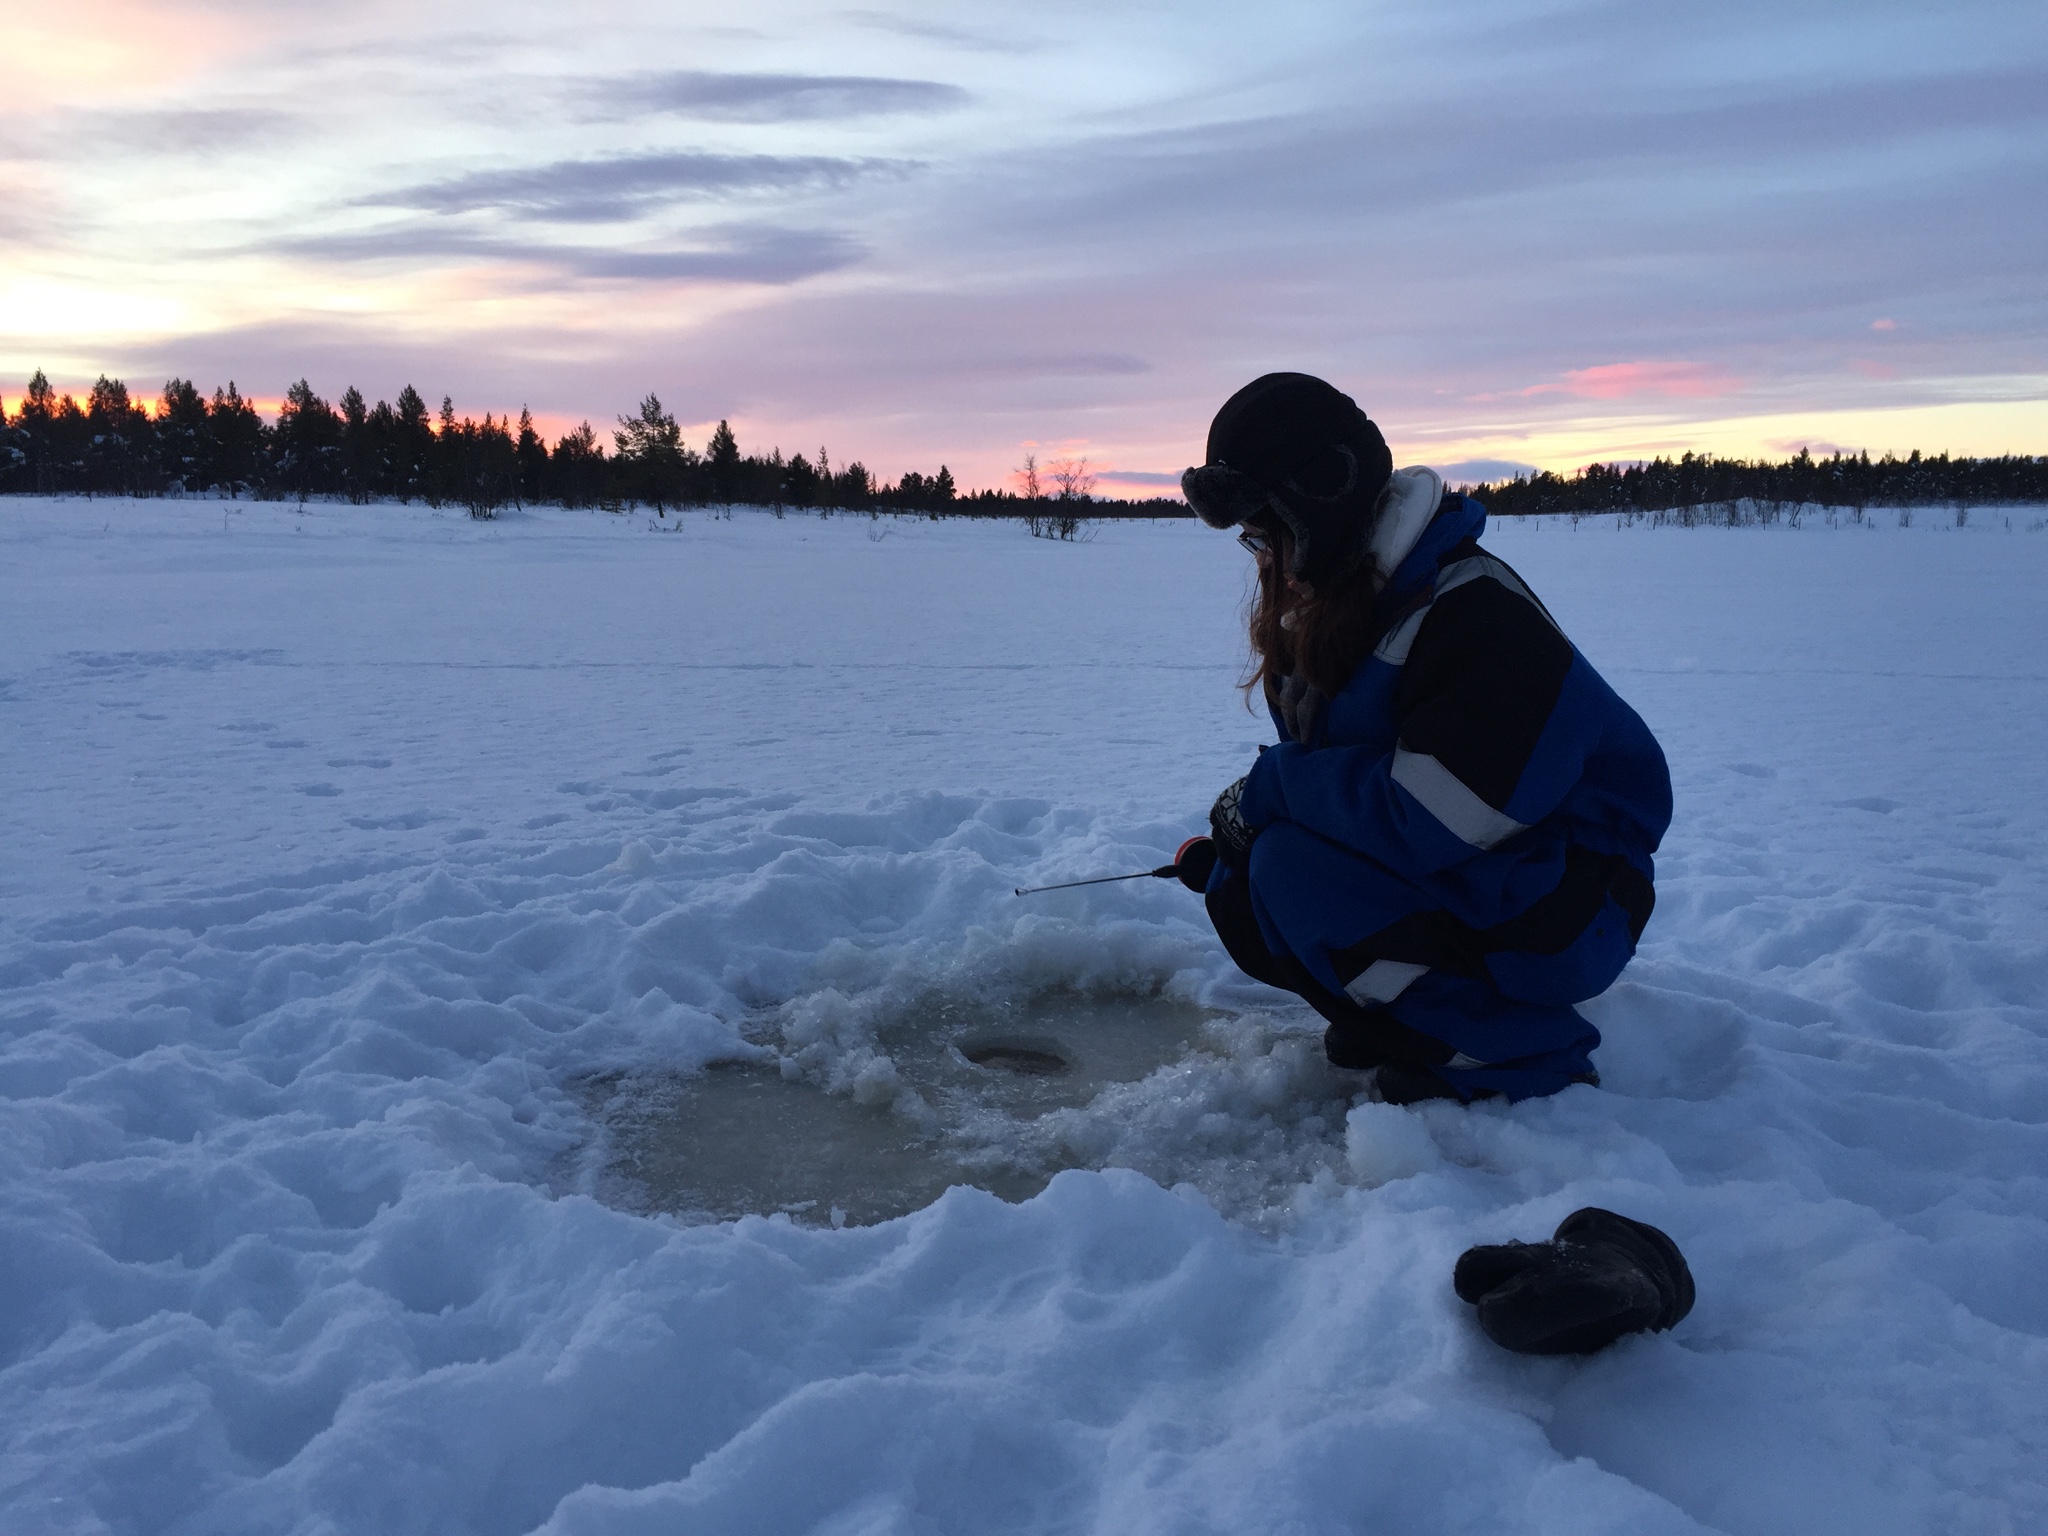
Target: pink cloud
1619, 381
1622, 381
1884, 325
1149, 482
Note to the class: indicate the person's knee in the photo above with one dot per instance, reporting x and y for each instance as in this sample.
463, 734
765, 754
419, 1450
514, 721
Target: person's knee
1273, 850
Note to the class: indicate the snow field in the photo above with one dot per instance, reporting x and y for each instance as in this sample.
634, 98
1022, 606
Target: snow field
349, 847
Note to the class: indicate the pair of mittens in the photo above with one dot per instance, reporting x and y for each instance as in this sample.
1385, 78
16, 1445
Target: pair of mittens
1599, 1277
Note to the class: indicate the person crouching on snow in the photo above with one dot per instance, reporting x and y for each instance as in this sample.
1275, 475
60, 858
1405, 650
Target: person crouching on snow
1451, 844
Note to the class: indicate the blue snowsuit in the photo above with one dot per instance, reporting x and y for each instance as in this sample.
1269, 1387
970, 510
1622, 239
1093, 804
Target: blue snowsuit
1462, 848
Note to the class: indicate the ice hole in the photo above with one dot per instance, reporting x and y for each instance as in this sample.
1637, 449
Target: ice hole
747, 1139
1037, 1057
742, 1140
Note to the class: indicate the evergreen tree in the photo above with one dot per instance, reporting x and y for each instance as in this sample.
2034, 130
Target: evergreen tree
32, 428
479, 463
852, 486
380, 432
761, 480
413, 447
356, 458
800, 482
237, 436
184, 446
39, 404
532, 456
651, 457
827, 495
577, 468
117, 460
306, 444
442, 470
722, 457
70, 443
13, 458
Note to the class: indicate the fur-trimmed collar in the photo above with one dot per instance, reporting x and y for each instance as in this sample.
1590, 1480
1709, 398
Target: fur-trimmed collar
1406, 506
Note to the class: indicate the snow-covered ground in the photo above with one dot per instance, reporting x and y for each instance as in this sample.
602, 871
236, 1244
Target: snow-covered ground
375, 884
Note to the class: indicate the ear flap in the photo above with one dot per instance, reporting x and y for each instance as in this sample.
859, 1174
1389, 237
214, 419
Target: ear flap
1330, 476
1223, 497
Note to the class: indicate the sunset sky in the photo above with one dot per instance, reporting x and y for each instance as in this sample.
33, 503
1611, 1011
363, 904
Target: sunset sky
1528, 232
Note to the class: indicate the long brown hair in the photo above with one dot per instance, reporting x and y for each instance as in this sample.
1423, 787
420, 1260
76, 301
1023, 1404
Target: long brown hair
1320, 636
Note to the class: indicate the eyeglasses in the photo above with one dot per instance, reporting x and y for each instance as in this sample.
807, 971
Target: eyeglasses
1258, 543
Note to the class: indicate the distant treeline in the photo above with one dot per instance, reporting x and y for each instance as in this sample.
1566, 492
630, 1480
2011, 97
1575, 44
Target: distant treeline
192, 443
1851, 482
196, 444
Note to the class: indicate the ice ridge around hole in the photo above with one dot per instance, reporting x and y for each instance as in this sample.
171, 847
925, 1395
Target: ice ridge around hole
904, 1098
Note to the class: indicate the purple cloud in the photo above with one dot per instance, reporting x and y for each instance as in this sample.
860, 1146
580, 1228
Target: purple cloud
766, 254
626, 186
742, 98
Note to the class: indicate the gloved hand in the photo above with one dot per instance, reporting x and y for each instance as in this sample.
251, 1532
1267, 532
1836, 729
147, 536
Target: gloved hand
1600, 1276
1227, 825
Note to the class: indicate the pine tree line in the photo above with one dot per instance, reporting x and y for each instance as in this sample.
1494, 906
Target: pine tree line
192, 443
1764, 491
195, 444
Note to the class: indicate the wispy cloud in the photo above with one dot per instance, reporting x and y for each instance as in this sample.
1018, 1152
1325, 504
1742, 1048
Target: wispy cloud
760, 98
978, 39
1030, 364
753, 253
197, 130
197, 133
626, 186
25, 212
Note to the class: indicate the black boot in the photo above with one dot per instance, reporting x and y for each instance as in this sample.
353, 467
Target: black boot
1400, 1083
1346, 1045
1600, 1276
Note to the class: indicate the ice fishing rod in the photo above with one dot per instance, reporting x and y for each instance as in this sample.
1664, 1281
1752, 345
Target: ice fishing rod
1163, 872
1191, 864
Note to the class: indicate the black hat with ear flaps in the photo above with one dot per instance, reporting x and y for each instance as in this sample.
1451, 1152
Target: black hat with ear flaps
1290, 449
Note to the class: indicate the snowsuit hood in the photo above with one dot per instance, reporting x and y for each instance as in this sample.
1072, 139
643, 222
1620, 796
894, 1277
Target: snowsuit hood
1409, 508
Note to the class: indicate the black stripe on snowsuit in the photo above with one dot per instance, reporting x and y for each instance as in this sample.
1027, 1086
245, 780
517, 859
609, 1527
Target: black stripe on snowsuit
1548, 927
1484, 673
